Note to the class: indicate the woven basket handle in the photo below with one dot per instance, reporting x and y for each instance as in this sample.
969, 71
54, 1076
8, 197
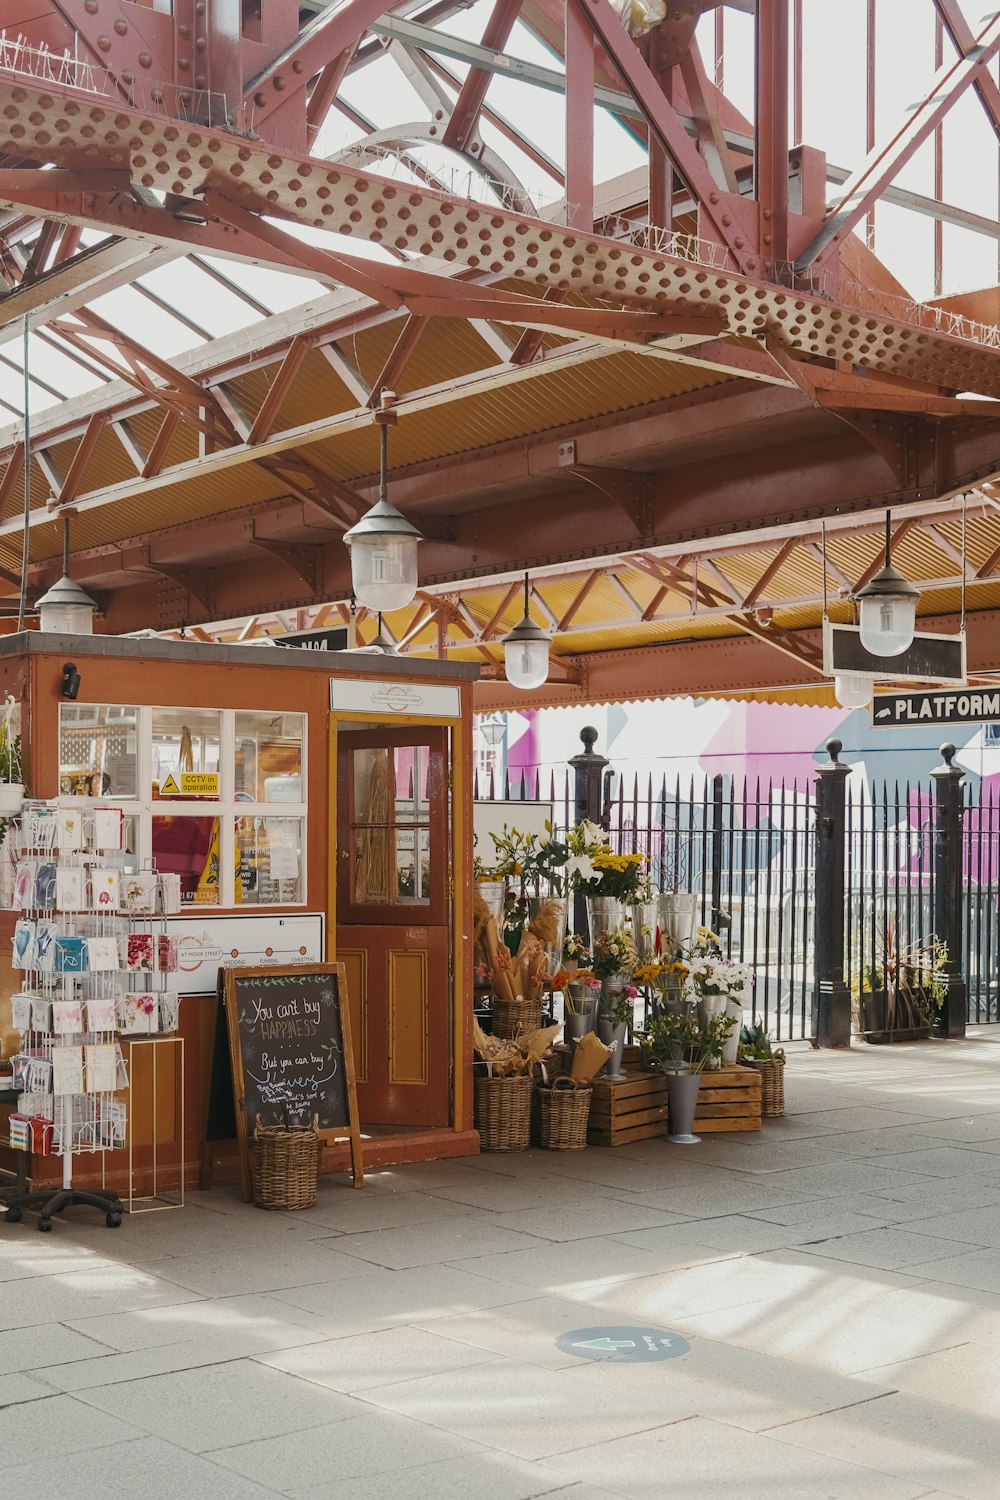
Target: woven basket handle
778, 1055
564, 1084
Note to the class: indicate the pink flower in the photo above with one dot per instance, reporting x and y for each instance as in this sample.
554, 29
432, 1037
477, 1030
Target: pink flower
631, 991
595, 984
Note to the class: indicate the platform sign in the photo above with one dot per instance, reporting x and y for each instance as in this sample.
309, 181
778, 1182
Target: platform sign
971, 706
314, 640
930, 658
623, 1346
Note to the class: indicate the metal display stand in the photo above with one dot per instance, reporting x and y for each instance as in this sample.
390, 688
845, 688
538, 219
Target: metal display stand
62, 1005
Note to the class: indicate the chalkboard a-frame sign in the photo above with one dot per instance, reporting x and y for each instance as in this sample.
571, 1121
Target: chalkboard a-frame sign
290, 1044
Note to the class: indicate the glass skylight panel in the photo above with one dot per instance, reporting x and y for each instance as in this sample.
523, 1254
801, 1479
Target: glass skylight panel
155, 329
214, 308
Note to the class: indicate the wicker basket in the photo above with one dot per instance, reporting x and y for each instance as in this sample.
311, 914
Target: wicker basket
772, 1083
511, 1017
503, 1113
285, 1166
565, 1111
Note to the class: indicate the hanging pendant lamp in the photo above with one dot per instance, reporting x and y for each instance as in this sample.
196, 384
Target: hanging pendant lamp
526, 651
383, 543
888, 608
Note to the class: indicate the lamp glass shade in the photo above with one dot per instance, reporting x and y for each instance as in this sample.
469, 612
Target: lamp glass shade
887, 622
526, 661
853, 692
66, 610
384, 570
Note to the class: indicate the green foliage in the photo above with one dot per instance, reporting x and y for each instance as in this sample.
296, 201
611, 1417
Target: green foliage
755, 1043
673, 1038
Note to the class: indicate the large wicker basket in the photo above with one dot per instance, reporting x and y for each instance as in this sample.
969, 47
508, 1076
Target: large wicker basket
565, 1110
285, 1166
511, 1017
772, 1083
503, 1113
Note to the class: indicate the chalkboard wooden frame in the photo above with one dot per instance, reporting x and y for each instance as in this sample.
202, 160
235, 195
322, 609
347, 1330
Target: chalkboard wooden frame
337, 975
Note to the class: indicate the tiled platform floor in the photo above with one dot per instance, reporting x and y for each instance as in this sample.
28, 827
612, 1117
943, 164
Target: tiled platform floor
837, 1277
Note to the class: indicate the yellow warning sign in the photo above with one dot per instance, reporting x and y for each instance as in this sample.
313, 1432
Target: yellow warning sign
199, 783
169, 788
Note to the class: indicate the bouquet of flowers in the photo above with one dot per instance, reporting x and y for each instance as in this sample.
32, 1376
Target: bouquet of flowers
529, 858
613, 953
576, 949
666, 976
712, 977
673, 1040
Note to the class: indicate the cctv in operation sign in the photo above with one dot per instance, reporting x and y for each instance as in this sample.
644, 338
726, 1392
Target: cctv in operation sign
970, 706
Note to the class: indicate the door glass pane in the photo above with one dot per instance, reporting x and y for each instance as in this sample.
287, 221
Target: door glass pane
390, 832
98, 750
189, 847
270, 861
269, 757
186, 752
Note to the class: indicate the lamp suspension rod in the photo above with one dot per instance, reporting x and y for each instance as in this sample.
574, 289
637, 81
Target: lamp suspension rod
526, 594
26, 532
65, 546
383, 486
888, 539
825, 616
965, 503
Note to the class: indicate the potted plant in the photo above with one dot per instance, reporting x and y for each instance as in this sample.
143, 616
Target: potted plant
901, 992
11, 774
756, 1051
721, 986
683, 1046
610, 882
616, 1016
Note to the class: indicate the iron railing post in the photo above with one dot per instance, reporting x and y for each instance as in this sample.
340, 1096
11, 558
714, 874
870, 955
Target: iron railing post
588, 768
831, 1010
718, 814
949, 887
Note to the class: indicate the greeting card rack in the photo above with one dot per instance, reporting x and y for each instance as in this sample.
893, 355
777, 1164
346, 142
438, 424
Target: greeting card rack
95, 957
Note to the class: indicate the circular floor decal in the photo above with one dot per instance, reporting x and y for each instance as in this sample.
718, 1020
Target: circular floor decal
622, 1346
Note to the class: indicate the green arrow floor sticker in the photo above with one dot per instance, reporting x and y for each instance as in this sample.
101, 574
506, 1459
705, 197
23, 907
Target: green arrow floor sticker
622, 1346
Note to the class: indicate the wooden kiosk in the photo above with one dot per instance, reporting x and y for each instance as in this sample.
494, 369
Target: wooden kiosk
317, 806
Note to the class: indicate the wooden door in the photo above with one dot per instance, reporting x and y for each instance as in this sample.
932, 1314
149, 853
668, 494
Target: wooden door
393, 919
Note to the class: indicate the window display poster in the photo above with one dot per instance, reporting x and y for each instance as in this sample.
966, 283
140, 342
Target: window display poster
207, 944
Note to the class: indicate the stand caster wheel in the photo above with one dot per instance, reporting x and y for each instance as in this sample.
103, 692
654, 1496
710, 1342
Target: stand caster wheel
45, 1225
14, 1215
113, 1220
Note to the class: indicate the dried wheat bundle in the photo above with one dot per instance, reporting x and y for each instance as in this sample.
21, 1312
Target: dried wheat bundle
510, 1058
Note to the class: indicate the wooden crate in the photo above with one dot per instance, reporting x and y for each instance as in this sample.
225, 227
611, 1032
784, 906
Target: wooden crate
634, 1110
729, 1099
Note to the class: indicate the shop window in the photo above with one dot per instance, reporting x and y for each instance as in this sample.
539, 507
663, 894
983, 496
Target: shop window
391, 832
269, 853
268, 757
98, 750
188, 845
186, 753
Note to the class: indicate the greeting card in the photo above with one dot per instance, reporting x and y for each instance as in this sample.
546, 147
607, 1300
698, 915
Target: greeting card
43, 957
104, 890
71, 888
69, 829
24, 883
20, 1006
109, 823
41, 1014
167, 948
67, 1070
102, 1067
39, 1078
140, 952
101, 1015
170, 893
24, 944
67, 1017
138, 893
71, 955
102, 954
137, 1012
45, 886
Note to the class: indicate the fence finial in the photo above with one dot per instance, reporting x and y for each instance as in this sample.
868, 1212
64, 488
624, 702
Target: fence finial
948, 754
833, 749
589, 737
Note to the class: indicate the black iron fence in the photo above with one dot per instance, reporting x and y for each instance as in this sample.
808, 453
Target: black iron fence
748, 850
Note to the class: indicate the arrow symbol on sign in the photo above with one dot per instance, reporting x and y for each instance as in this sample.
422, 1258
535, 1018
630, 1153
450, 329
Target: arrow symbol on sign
605, 1343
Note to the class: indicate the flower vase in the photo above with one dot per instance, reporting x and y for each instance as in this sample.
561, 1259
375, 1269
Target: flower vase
577, 1025
682, 1103
604, 914
492, 892
645, 919
732, 1046
612, 1035
678, 913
